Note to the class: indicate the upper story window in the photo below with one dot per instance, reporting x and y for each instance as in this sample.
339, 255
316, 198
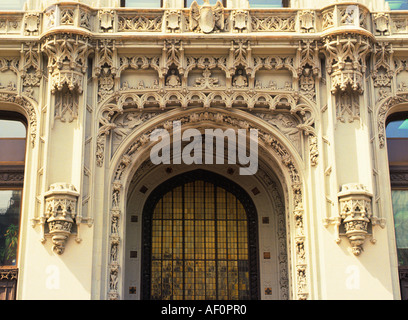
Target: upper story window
12, 5
398, 4
12, 158
150, 4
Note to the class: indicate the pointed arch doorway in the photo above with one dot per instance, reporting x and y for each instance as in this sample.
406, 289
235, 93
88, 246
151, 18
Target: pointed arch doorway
200, 238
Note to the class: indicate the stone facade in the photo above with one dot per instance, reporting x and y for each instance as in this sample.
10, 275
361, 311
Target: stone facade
317, 82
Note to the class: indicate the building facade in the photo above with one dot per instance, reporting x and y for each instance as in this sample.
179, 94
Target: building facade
86, 214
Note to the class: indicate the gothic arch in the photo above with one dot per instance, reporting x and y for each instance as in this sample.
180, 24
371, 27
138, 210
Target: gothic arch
23, 105
274, 146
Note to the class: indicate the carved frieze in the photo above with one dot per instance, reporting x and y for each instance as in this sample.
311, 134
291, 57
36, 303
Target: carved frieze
149, 22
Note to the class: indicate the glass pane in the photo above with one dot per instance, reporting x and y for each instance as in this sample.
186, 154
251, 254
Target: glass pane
398, 5
400, 209
12, 129
199, 245
143, 4
10, 204
397, 129
265, 4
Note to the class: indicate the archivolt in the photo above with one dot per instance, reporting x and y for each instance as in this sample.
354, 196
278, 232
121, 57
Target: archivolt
27, 109
383, 111
271, 140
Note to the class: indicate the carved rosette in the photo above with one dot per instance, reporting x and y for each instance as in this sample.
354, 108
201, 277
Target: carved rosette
355, 214
60, 204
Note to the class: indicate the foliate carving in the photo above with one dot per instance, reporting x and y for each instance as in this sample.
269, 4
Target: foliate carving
67, 17
308, 68
241, 57
151, 22
66, 106
275, 23
173, 57
31, 70
346, 55
327, 19
206, 18
382, 73
355, 214
85, 20
67, 61
60, 212
105, 67
347, 106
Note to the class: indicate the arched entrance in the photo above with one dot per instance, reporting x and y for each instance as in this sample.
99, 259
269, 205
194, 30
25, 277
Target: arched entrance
199, 240
276, 190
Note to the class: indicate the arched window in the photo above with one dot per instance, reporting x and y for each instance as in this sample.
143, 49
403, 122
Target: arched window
397, 145
199, 237
12, 157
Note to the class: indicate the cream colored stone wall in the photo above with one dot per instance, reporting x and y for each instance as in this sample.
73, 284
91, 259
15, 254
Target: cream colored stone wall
317, 80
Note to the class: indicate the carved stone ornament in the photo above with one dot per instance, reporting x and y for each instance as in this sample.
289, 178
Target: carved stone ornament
173, 18
67, 61
106, 20
381, 21
60, 206
356, 214
346, 55
206, 18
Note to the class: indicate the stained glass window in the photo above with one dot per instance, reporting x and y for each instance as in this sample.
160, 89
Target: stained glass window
199, 245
